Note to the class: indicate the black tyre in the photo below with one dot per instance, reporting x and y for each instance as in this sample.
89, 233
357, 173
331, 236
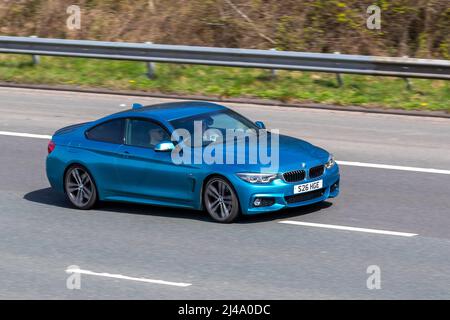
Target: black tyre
220, 200
80, 187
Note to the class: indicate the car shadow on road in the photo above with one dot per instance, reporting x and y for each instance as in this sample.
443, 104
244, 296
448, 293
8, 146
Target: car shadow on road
50, 197
285, 213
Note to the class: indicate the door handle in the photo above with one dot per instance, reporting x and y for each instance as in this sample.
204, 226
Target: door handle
125, 154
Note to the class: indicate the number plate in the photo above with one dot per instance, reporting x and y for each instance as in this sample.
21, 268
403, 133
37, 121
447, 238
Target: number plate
306, 187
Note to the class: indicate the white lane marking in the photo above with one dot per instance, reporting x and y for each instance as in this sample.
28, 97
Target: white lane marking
119, 276
25, 135
331, 226
391, 167
340, 162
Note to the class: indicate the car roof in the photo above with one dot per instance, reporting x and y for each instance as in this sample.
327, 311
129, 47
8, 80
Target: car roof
174, 110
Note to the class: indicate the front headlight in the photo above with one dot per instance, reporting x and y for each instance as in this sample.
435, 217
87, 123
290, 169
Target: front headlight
257, 177
330, 163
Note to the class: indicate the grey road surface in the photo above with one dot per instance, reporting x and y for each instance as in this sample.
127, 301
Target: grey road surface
255, 258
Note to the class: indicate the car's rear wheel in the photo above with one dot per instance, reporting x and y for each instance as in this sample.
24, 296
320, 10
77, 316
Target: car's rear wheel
80, 187
220, 200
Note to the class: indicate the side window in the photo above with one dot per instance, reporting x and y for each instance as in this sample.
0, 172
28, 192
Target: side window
142, 133
110, 131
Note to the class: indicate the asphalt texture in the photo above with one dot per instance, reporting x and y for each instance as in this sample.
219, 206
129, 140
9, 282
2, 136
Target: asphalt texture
41, 235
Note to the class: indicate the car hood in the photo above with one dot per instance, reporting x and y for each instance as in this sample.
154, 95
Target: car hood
293, 149
293, 154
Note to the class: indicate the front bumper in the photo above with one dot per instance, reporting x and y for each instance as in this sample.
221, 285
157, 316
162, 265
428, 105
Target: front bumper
281, 193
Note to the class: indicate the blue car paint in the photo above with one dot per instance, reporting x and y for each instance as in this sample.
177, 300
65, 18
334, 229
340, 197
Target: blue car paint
149, 177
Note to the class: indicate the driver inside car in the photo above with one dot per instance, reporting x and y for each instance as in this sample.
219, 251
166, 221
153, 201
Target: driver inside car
206, 125
157, 135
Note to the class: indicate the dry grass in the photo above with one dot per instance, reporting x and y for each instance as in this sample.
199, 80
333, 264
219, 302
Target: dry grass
415, 28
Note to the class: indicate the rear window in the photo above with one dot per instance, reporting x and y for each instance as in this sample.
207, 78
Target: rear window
111, 131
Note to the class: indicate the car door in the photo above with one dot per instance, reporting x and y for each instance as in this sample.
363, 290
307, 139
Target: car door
102, 145
149, 174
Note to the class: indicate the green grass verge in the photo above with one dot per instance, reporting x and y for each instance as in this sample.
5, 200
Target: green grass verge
289, 86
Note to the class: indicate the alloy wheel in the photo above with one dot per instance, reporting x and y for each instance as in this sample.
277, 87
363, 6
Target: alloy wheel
221, 201
80, 188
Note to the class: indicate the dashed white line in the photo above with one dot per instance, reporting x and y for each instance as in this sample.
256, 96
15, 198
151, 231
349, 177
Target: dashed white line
25, 135
391, 167
119, 276
340, 162
331, 226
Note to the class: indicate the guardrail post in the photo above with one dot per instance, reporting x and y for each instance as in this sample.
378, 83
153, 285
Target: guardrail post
151, 67
339, 79
407, 81
273, 72
408, 84
36, 58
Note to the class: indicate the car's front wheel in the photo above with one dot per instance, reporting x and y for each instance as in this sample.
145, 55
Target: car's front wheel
80, 187
220, 200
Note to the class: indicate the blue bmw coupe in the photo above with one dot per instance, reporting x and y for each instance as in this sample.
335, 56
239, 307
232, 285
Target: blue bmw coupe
151, 155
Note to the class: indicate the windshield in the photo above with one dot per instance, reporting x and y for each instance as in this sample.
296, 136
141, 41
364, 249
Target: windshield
220, 122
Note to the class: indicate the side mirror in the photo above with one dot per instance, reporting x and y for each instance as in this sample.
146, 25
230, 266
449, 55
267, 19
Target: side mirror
136, 106
164, 146
260, 124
